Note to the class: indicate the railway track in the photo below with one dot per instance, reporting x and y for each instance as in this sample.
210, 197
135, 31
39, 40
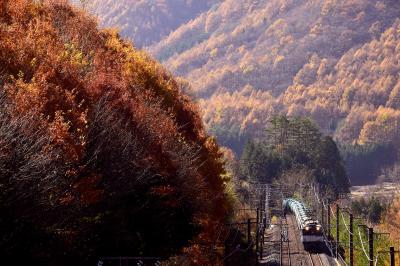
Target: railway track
284, 244
315, 260
297, 256
286, 253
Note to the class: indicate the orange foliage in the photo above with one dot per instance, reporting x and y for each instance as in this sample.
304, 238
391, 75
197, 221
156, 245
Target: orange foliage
117, 117
325, 59
391, 221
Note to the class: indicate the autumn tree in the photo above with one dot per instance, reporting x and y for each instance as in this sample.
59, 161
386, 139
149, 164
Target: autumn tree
101, 152
295, 143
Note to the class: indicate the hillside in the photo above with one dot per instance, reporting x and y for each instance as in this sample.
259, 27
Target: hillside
355, 98
253, 49
101, 154
146, 21
265, 43
246, 60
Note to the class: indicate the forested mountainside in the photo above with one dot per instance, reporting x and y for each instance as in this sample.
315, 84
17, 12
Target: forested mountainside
265, 43
146, 21
333, 60
357, 96
336, 61
101, 154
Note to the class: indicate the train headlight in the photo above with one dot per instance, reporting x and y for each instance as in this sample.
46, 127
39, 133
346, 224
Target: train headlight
307, 228
318, 227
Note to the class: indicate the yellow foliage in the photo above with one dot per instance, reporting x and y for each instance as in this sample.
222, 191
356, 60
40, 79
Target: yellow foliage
214, 53
278, 59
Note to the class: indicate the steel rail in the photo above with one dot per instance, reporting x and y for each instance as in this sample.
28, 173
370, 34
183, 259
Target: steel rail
320, 260
311, 259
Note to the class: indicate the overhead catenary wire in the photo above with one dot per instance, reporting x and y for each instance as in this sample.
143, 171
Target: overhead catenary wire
325, 237
363, 249
221, 230
362, 245
376, 260
238, 249
333, 214
316, 194
345, 225
343, 260
325, 207
327, 243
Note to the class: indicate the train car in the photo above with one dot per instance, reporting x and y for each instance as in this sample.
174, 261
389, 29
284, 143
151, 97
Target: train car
311, 231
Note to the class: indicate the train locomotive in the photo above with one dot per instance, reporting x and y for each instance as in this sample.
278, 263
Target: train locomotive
311, 231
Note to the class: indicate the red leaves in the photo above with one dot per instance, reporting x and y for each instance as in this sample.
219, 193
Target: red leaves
115, 119
87, 191
66, 199
168, 194
163, 190
84, 192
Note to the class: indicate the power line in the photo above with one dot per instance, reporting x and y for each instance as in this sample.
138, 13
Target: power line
345, 225
376, 260
237, 249
362, 245
333, 214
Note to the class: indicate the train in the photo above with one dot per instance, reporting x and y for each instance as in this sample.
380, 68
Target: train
311, 231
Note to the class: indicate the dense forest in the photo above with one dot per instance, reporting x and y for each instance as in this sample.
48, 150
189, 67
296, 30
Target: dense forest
302, 93
104, 152
100, 151
294, 150
319, 58
334, 61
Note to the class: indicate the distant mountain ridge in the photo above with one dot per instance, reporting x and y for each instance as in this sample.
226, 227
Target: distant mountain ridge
146, 21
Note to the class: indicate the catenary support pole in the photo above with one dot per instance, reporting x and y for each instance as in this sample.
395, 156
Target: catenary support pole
322, 214
257, 231
371, 245
351, 250
248, 232
281, 251
392, 257
337, 230
329, 221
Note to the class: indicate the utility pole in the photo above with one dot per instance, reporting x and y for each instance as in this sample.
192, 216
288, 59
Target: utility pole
322, 213
226, 247
249, 232
392, 257
371, 245
281, 244
257, 230
329, 220
351, 255
262, 246
337, 231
